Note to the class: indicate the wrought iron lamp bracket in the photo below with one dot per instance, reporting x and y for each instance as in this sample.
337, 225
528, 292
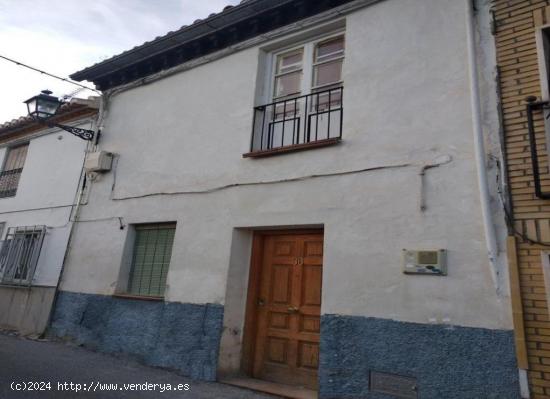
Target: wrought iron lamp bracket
84, 134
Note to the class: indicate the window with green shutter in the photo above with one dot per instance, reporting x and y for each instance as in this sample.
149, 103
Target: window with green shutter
152, 252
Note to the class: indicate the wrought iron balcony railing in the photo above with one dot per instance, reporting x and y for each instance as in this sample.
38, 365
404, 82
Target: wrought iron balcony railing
9, 180
296, 123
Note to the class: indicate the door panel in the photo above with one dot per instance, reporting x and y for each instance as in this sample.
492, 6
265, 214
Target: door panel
281, 277
289, 308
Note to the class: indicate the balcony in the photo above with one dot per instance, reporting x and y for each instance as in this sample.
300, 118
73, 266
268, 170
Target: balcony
299, 123
9, 180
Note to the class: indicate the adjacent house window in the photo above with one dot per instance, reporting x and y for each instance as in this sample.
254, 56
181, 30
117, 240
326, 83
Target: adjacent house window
538, 144
306, 97
543, 47
13, 166
19, 254
151, 259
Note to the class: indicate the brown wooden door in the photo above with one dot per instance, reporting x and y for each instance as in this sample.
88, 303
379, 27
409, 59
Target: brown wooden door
288, 309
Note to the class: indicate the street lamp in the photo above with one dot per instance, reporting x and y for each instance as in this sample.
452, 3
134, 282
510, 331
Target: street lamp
43, 106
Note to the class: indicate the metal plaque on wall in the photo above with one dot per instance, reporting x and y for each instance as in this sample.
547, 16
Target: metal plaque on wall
391, 384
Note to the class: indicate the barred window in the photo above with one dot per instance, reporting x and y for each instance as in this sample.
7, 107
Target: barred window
13, 167
19, 254
151, 259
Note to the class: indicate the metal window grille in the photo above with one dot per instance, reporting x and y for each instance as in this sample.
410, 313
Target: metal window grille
13, 167
19, 254
151, 259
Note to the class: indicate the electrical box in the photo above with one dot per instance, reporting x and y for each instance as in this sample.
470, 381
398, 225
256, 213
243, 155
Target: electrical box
100, 161
430, 262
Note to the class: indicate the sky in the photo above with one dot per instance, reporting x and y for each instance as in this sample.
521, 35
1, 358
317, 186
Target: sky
64, 36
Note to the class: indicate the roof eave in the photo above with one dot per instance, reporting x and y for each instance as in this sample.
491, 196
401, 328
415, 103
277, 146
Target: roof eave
246, 21
198, 29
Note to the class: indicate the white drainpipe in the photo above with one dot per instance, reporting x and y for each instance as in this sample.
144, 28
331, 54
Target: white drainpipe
479, 145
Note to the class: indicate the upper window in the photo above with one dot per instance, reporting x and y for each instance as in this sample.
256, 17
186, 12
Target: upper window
13, 167
151, 258
309, 68
305, 107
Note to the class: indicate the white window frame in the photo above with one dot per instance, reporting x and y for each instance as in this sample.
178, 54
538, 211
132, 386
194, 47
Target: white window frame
308, 64
315, 63
276, 75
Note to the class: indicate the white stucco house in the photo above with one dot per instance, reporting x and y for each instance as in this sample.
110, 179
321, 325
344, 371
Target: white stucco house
302, 193
40, 180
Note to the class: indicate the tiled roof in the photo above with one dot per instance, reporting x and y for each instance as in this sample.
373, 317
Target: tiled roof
232, 25
168, 35
15, 123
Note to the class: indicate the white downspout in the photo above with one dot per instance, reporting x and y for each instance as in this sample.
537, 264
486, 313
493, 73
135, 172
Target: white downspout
479, 146
75, 211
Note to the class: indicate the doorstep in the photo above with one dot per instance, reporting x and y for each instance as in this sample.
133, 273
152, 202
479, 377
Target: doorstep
286, 391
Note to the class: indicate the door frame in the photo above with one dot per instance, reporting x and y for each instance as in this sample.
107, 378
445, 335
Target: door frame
250, 331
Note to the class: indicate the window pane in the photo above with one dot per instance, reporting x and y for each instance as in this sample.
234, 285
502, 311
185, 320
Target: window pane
152, 251
291, 110
328, 73
330, 49
288, 84
16, 158
289, 62
320, 103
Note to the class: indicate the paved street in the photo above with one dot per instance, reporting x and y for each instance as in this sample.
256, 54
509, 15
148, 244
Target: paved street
24, 361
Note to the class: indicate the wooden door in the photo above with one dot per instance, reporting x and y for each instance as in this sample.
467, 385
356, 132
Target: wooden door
288, 309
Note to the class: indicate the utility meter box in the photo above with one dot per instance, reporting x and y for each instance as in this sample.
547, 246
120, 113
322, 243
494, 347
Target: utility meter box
429, 262
100, 161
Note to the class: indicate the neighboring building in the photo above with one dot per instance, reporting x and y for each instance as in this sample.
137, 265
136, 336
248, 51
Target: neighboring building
522, 31
225, 254
40, 178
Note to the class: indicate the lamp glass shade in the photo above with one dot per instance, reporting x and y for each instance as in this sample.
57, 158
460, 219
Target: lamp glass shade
43, 106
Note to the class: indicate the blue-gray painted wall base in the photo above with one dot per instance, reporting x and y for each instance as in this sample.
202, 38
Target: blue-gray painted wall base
448, 362
184, 337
